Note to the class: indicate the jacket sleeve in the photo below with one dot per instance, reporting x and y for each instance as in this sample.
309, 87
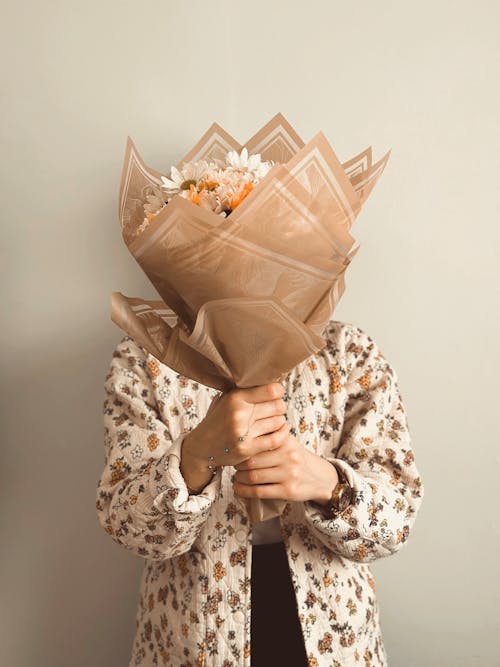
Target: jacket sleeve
376, 457
142, 500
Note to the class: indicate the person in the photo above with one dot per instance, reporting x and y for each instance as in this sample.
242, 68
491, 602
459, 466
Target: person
180, 460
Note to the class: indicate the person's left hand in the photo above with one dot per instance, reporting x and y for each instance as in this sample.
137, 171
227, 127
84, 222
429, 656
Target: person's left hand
287, 472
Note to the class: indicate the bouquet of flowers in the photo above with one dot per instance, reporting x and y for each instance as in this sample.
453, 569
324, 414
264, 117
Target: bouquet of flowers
247, 247
217, 186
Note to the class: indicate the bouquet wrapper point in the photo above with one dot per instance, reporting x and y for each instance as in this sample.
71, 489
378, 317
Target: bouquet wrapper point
244, 299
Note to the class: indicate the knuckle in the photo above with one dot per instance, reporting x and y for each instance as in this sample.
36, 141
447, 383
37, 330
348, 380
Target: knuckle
241, 449
276, 390
279, 420
284, 433
293, 456
279, 405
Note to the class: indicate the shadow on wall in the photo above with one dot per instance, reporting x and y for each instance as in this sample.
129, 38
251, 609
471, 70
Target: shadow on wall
79, 589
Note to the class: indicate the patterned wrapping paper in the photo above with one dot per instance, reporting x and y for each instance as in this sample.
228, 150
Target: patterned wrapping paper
244, 299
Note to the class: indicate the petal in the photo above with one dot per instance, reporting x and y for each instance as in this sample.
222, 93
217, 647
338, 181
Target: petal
168, 184
176, 175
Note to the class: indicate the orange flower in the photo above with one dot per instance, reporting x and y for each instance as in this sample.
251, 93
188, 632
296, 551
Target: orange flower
219, 570
153, 441
245, 190
194, 195
153, 368
208, 185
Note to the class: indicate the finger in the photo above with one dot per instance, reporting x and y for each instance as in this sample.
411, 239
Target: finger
273, 475
274, 491
268, 425
262, 445
252, 445
262, 418
268, 441
268, 409
265, 450
262, 460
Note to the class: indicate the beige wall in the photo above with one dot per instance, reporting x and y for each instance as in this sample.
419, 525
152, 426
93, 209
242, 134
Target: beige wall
420, 78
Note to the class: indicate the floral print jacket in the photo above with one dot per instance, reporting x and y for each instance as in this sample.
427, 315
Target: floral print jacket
194, 604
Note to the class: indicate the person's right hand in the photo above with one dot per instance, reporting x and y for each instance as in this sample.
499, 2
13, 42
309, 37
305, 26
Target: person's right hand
260, 410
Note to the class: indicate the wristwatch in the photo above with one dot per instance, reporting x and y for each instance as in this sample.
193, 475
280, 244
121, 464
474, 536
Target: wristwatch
342, 496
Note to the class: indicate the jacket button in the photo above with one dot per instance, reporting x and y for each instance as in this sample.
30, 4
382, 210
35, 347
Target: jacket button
239, 616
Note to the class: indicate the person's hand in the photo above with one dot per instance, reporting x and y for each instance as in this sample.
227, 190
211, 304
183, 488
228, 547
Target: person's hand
259, 410
288, 472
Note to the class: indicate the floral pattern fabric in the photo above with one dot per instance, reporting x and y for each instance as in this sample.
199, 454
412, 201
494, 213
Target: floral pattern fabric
344, 403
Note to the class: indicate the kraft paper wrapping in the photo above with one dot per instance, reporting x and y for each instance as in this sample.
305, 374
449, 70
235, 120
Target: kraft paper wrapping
244, 299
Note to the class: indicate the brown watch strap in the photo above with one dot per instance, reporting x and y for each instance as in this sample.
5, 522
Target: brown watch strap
342, 494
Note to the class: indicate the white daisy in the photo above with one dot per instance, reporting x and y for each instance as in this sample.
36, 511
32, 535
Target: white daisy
181, 180
244, 162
